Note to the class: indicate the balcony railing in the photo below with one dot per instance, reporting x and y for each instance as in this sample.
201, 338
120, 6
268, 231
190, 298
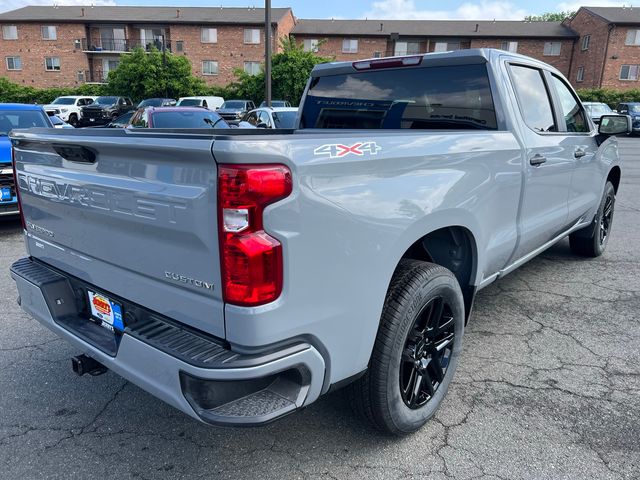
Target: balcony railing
96, 76
110, 45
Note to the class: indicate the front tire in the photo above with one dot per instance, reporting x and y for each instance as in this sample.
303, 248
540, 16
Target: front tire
73, 120
416, 350
592, 241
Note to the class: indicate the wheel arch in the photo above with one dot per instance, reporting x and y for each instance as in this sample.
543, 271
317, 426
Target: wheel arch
614, 177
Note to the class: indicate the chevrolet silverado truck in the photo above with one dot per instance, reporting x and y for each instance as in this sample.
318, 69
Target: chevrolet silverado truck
240, 275
104, 109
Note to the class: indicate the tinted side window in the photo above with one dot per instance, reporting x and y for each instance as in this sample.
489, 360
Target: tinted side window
533, 98
574, 117
449, 97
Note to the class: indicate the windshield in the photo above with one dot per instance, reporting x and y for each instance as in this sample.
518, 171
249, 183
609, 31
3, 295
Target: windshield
275, 103
188, 119
284, 119
233, 104
123, 119
598, 109
106, 100
64, 101
10, 119
442, 97
190, 102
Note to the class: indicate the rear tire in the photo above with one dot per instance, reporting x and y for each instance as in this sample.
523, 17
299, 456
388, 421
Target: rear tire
592, 240
416, 350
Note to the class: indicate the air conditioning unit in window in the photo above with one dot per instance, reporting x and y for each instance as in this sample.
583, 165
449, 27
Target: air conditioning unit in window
80, 76
77, 44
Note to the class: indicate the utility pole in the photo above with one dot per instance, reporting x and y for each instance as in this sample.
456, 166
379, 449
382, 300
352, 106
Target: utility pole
164, 65
267, 52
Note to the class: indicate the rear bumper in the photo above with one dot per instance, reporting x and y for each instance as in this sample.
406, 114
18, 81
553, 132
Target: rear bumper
196, 374
9, 208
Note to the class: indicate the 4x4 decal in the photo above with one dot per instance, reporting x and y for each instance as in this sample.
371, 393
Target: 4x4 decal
333, 150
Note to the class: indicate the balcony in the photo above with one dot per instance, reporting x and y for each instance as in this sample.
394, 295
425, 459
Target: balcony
95, 76
114, 45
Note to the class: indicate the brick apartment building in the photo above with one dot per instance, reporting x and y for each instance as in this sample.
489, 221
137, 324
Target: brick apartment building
71, 45
607, 53
551, 42
67, 46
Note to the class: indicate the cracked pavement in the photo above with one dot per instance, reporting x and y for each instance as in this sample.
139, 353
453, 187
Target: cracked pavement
548, 387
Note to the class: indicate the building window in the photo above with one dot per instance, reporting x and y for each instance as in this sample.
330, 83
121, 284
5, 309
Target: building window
252, 35
179, 46
209, 67
446, 46
49, 32
311, 45
9, 32
585, 42
350, 45
552, 49
252, 68
52, 64
209, 35
629, 72
14, 63
633, 37
440, 47
510, 46
377, 54
406, 48
580, 74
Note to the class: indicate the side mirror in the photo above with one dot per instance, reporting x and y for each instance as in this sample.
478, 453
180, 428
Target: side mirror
614, 125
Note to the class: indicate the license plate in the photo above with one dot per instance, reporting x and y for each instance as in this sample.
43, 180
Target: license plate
5, 194
108, 312
92, 119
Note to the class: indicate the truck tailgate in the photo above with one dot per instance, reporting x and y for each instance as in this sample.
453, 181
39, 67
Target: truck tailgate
132, 213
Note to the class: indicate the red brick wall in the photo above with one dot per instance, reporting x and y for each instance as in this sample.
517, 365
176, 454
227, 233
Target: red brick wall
585, 23
534, 48
332, 47
32, 50
283, 30
626, 55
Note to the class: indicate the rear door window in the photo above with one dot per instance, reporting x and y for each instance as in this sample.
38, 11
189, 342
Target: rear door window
443, 97
533, 98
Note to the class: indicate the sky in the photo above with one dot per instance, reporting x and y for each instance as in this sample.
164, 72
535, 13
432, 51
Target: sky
375, 9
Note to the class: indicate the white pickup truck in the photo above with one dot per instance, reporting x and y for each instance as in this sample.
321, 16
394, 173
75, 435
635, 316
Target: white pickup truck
69, 108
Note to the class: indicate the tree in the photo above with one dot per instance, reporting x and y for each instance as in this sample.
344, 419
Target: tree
143, 74
290, 71
549, 17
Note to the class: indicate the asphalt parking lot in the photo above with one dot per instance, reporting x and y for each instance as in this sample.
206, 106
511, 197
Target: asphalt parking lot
548, 388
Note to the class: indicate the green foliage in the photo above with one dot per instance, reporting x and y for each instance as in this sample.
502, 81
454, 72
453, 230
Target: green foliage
15, 93
549, 17
144, 74
609, 96
290, 71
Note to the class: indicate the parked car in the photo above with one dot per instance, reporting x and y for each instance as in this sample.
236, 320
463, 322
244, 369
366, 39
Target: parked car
157, 102
211, 103
276, 103
176, 117
596, 109
278, 266
105, 109
69, 108
270, 118
633, 110
234, 110
12, 116
58, 123
119, 122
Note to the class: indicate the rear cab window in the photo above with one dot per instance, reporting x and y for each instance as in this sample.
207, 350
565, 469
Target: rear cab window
438, 97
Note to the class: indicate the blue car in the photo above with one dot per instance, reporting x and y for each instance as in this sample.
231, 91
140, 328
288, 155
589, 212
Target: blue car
632, 109
13, 116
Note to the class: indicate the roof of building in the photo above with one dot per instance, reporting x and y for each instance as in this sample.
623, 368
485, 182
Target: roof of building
434, 28
103, 14
617, 14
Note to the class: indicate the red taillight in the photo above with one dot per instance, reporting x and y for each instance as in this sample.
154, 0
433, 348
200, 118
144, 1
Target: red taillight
391, 62
251, 259
17, 185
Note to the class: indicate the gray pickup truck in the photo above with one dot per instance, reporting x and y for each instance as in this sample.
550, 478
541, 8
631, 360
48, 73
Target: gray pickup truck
240, 276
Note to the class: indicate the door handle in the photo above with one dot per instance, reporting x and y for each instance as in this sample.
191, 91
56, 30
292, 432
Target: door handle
537, 159
579, 153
